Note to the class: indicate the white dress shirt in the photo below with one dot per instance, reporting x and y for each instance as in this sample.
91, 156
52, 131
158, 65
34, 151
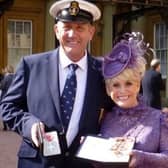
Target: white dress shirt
81, 74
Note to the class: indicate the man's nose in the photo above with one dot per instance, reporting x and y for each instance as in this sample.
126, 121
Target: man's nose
71, 33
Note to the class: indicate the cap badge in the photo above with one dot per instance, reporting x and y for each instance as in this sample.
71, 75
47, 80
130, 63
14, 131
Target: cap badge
74, 8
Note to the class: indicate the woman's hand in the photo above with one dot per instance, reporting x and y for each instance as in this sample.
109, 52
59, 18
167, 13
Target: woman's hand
136, 158
132, 162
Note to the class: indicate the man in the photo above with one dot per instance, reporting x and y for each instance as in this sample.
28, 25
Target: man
152, 84
34, 103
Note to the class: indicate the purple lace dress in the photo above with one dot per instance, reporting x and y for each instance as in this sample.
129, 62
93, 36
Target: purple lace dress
149, 127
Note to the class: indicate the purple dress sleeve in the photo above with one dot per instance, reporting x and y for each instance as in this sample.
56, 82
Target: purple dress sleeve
154, 160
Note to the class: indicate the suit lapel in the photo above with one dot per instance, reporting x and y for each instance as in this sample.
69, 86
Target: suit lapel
53, 79
90, 90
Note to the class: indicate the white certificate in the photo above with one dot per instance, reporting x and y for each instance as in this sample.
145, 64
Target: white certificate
111, 150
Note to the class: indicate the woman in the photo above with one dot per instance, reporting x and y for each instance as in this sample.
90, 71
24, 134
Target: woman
123, 69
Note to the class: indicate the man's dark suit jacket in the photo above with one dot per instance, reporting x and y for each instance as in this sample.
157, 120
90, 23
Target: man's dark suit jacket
34, 96
152, 84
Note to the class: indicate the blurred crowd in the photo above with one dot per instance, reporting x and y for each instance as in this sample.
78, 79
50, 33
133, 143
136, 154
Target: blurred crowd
6, 76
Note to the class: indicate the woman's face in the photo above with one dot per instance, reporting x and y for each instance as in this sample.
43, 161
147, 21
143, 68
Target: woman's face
74, 38
124, 92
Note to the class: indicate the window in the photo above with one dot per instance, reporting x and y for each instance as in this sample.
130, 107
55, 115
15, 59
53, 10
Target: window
161, 46
19, 40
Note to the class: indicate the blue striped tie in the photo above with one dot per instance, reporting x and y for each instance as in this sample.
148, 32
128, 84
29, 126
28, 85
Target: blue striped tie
68, 95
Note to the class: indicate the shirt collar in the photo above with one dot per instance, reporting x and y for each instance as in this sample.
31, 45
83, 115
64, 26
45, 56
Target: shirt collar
65, 61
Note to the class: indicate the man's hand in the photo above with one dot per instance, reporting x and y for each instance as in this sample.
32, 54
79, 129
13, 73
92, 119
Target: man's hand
37, 133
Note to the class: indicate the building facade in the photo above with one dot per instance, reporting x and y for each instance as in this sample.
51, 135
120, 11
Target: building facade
27, 28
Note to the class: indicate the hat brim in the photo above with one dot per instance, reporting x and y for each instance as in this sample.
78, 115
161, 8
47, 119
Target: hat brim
84, 5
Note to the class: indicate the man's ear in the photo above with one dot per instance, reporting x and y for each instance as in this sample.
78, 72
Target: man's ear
92, 31
56, 31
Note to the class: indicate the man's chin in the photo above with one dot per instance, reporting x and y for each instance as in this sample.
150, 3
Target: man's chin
70, 51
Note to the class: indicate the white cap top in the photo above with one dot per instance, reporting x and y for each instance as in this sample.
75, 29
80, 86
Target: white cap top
84, 6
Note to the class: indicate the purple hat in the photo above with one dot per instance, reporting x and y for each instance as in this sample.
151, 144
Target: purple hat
124, 54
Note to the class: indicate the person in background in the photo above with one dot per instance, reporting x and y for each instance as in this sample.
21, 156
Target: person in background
152, 84
1, 77
34, 102
123, 70
8, 73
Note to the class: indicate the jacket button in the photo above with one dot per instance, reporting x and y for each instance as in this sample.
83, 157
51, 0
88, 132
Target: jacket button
66, 153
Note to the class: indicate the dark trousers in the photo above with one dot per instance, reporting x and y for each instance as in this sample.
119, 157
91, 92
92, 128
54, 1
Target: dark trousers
4, 126
53, 162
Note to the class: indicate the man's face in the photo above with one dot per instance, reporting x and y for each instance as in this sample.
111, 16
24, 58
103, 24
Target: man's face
158, 68
74, 37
